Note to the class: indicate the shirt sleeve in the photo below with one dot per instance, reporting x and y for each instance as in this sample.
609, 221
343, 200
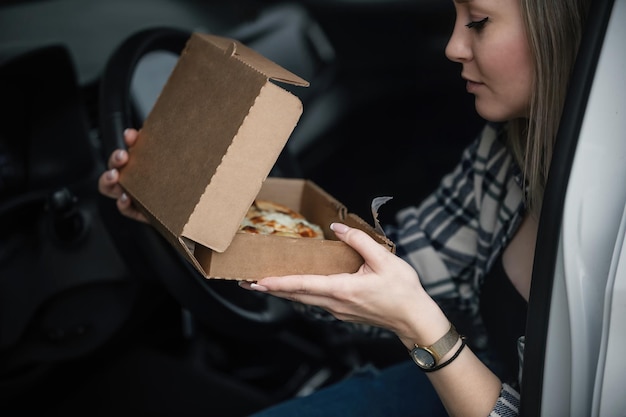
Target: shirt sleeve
454, 235
451, 235
508, 403
439, 237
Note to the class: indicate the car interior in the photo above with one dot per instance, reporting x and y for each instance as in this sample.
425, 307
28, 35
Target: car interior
98, 314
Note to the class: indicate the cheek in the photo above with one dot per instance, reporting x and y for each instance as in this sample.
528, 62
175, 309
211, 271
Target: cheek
510, 59
508, 70
518, 63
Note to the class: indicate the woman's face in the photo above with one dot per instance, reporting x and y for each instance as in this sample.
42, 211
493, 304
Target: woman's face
489, 40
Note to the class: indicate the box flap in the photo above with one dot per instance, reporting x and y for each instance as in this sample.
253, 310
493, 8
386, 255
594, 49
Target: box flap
262, 64
210, 141
244, 168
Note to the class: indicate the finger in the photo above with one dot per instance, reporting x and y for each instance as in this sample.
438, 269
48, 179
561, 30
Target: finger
317, 301
334, 306
309, 299
108, 184
373, 253
118, 158
126, 207
299, 297
130, 136
313, 285
248, 285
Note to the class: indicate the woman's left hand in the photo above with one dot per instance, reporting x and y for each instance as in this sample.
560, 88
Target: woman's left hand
384, 292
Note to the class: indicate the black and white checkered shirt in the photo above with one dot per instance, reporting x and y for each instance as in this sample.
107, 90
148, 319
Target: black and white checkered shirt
455, 235
453, 238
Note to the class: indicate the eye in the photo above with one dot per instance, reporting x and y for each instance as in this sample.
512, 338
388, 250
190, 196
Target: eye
477, 24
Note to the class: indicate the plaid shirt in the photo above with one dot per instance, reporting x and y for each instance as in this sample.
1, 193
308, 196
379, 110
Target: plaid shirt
454, 236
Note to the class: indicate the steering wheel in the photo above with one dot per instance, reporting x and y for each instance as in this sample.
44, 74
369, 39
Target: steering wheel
145, 250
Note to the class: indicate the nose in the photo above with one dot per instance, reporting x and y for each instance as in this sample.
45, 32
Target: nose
459, 45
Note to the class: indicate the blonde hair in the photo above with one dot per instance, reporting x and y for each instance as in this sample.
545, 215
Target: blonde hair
554, 29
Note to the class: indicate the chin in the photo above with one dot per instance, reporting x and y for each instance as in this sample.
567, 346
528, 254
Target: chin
496, 112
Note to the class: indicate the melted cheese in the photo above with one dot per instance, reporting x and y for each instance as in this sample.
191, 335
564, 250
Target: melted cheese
264, 221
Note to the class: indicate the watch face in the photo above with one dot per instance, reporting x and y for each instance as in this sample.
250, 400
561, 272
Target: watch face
423, 358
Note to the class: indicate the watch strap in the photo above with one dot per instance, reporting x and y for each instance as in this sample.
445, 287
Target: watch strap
447, 362
443, 345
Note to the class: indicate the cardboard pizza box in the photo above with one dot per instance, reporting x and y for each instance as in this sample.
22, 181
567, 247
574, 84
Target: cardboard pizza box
204, 154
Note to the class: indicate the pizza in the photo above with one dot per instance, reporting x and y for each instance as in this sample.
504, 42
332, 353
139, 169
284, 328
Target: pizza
270, 218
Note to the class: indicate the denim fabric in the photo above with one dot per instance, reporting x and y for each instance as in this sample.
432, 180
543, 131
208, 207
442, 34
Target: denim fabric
400, 390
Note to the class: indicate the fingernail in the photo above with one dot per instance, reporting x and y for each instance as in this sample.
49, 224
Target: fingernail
339, 227
119, 155
124, 198
126, 131
258, 287
111, 174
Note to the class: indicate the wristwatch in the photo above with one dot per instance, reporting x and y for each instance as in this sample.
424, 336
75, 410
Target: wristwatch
428, 357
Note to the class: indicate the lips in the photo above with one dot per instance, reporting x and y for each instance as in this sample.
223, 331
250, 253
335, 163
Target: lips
472, 86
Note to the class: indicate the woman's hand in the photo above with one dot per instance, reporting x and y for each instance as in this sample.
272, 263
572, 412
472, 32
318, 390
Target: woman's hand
384, 292
108, 184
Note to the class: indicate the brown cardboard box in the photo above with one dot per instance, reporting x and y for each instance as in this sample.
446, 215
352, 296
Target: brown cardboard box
204, 154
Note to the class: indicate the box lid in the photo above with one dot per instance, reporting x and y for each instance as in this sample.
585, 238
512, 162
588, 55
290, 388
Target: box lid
211, 139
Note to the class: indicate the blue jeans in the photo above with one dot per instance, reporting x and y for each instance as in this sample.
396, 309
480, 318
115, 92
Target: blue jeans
400, 390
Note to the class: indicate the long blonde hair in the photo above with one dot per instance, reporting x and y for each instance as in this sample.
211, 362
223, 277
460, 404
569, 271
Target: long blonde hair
554, 29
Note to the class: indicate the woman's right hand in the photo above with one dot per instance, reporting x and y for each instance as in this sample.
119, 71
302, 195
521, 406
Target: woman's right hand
108, 183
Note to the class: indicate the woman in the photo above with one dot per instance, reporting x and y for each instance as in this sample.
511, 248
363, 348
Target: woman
470, 245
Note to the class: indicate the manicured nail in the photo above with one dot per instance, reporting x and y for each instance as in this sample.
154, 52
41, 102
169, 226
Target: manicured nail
258, 287
119, 155
124, 198
111, 174
126, 131
339, 227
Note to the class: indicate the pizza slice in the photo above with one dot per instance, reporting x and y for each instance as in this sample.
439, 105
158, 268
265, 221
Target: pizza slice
270, 218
